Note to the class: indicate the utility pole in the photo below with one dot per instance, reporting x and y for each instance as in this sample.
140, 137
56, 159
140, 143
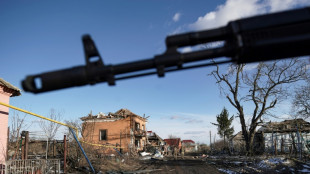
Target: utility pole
210, 138
214, 139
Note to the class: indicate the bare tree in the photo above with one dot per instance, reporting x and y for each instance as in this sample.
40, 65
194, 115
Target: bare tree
264, 87
50, 128
18, 123
74, 123
171, 136
301, 102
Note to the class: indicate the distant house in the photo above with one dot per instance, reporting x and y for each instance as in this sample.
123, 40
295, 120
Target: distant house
189, 145
122, 129
237, 143
174, 142
189, 142
6, 91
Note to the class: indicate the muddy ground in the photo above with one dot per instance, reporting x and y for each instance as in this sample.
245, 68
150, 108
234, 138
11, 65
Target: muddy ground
188, 165
210, 164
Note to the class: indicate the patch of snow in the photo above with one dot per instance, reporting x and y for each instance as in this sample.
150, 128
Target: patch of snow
286, 161
145, 153
158, 156
275, 160
262, 164
256, 170
145, 158
306, 166
304, 171
272, 161
237, 162
227, 171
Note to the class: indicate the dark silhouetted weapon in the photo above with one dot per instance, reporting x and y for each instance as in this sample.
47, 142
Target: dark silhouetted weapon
260, 38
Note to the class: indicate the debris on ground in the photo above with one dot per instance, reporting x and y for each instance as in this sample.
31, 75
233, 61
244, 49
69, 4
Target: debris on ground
157, 163
145, 153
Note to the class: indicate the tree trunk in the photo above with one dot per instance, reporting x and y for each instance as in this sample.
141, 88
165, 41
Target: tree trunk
293, 142
249, 140
224, 142
246, 134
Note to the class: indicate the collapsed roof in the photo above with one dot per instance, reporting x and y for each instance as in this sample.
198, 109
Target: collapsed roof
188, 141
120, 114
286, 126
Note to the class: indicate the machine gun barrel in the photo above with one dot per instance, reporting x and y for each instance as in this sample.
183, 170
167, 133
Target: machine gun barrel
259, 38
194, 38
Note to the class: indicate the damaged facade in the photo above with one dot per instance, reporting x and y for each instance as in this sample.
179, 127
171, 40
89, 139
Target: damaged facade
122, 129
154, 143
277, 137
154, 140
286, 136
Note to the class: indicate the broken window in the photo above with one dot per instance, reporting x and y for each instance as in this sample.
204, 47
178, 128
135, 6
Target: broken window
103, 135
137, 143
143, 128
137, 126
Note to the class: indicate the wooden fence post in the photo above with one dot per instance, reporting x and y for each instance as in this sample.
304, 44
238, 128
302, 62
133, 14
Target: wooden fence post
65, 154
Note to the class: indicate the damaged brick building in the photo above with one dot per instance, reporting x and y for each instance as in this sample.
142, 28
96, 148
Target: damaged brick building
154, 139
122, 129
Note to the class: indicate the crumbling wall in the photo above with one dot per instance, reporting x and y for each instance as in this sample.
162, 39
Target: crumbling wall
124, 133
285, 142
118, 132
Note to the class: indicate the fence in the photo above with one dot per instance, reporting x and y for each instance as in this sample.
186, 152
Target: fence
31, 166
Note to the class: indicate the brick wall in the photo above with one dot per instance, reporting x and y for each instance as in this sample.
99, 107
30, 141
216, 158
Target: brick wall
119, 133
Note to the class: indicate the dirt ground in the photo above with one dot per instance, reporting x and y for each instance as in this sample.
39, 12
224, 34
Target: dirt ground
188, 165
207, 164
181, 166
